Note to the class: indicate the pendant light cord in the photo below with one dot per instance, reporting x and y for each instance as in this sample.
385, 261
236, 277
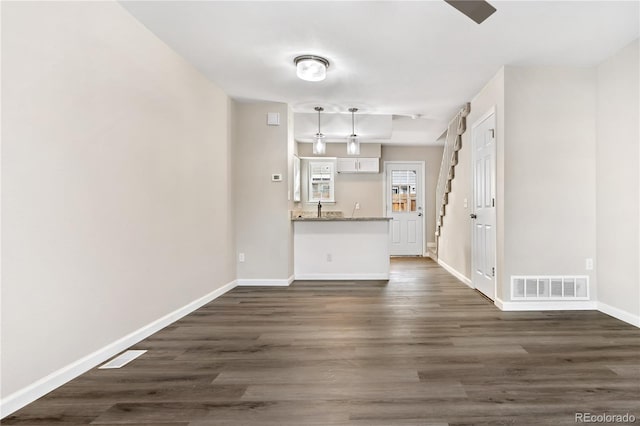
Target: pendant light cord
353, 123
319, 109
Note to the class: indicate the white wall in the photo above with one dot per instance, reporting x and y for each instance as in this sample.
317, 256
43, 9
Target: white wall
617, 182
549, 172
115, 183
263, 225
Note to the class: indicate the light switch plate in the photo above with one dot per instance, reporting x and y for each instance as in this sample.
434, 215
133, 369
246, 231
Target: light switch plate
589, 264
273, 118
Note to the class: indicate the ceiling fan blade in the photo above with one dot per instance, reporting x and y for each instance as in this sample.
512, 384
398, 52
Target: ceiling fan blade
477, 10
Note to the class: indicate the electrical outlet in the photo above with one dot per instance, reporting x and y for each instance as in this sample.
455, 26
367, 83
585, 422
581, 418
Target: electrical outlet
329, 257
357, 206
589, 264
241, 257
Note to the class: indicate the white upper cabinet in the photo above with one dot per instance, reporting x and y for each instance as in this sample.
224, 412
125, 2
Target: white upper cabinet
358, 165
347, 165
368, 165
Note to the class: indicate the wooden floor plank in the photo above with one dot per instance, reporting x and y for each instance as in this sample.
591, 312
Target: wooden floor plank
420, 349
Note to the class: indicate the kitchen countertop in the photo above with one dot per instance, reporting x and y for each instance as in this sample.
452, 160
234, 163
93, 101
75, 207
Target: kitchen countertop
338, 219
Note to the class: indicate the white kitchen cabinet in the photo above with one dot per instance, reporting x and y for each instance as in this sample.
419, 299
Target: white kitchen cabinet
368, 165
358, 165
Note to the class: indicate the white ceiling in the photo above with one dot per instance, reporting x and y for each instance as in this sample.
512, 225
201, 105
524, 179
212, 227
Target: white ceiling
387, 57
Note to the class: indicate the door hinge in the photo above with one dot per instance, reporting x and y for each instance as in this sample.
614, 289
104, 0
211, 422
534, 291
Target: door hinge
493, 202
493, 271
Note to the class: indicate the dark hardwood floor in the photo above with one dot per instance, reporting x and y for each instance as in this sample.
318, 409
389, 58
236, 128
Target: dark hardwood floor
422, 349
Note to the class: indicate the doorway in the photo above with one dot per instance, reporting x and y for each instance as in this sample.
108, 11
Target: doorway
404, 204
483, 215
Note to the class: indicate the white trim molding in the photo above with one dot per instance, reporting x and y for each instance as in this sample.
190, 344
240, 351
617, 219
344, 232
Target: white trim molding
460, 276
619, 314
258, 282
556, 305
344, 277
41, 387
569, 305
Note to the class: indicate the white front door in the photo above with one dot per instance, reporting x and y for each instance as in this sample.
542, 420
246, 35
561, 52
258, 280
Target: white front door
404, 203
483, 216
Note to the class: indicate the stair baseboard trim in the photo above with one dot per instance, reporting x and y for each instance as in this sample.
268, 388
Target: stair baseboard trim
556, 305
617, 313
343, 277
41, 387
454, 272
258, 282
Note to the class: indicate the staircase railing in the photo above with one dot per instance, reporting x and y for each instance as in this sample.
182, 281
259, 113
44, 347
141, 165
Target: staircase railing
453, 144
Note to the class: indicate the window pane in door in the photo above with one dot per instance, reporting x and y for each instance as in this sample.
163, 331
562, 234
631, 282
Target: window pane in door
403, 190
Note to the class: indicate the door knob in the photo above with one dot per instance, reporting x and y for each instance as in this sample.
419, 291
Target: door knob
473, 216
419, 214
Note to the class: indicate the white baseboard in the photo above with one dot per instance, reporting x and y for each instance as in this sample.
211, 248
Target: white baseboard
619, 314
348, 277
30, 393
253, 282
454, 272
556, 305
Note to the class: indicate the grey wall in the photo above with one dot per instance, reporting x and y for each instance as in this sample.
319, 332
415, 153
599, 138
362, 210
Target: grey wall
115, 184
263, 224
364, 188
549, 178
350, 188
545, 174
335, 149
367, 188
617, 165
454, 246
432, 156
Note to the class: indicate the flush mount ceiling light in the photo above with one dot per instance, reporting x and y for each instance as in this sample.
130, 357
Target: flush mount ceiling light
319, 145
353, 144
311, 67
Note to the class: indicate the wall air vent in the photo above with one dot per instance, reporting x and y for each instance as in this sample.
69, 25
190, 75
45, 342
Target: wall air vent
122, 359
547, 287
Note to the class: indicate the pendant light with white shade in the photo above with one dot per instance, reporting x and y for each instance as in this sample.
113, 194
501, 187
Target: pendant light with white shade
353, 144
319, 145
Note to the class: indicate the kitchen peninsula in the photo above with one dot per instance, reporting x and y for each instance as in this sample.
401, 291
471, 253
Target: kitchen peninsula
339, 248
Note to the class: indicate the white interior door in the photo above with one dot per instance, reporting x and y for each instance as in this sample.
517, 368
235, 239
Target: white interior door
404, 202
483, 216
